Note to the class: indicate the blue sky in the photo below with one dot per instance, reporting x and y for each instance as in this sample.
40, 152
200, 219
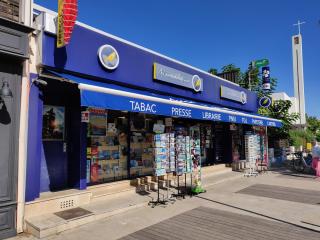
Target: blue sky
210, 33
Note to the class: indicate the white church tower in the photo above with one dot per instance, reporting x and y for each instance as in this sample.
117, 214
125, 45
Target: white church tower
298, 75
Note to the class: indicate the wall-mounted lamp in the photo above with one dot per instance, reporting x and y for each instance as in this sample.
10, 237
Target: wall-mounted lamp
5, 91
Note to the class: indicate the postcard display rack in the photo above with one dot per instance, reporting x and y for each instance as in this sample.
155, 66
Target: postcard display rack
164, 154
183, 158
164, 160
252, 149
195, 150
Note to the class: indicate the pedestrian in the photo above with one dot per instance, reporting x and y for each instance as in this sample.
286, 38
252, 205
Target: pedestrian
316, 158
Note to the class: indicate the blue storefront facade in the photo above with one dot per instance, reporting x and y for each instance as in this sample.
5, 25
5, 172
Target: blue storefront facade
100, 71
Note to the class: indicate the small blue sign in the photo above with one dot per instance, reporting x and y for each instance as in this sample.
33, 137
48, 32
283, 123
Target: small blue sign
265, 102
109, 57
266, 78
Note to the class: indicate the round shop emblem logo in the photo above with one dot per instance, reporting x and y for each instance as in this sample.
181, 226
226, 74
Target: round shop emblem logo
196, 83
265, 102
108, 57
243, 97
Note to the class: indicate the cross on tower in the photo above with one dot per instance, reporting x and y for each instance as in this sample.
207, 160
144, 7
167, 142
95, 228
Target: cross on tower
299, 24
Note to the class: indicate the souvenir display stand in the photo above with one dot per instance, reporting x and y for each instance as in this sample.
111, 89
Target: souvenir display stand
182, 143
252, 146
179, 153
172, 162
263, 149
263, 161
161, 162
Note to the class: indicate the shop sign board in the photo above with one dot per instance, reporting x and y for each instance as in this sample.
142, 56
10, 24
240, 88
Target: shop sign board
233, 94
123, 103
265, 102
109, 57
266, 78
260, 63
176, 77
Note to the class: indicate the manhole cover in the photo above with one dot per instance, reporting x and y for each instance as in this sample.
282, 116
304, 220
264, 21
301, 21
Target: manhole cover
73, 213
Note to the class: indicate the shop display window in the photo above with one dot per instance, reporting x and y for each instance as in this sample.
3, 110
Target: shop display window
206, 144
142, 143
117, 140
107, 147
220, 136
238, 147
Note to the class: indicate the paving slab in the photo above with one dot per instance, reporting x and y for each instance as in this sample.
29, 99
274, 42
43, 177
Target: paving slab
212, 224
220, 195
283, 193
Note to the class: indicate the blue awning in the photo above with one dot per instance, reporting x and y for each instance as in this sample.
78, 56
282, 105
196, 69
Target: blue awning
115, 97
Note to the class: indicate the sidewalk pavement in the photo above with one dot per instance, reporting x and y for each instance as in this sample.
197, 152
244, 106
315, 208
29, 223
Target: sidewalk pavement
222, 195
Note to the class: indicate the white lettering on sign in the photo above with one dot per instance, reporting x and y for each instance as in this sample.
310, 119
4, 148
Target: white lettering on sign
272, 124
257, 121
232, 118
143, 107
181, 112
244, 120
177, 76
211, 116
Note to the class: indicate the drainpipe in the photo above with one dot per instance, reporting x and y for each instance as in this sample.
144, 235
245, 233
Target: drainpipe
26, 15
23, 139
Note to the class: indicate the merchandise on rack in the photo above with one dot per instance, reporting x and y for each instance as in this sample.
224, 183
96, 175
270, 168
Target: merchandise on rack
161, 154
252, 151
181, 148
195, 152
106, 150
172, 153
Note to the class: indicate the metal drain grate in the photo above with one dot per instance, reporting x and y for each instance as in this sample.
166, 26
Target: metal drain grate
66, 204
73, 213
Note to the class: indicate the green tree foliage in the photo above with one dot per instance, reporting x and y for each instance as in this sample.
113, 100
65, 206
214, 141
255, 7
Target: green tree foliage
313, 126
254, 82
213, 71
230, 68
280, 110
301, 137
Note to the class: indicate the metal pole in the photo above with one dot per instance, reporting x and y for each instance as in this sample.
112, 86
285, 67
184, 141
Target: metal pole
185, 183
249, 80
267, 146
158, 190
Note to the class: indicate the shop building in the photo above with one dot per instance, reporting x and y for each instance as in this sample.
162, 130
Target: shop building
105, 98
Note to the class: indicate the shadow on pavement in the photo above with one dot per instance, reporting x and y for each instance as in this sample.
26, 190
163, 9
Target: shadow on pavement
258, 214
284, 172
